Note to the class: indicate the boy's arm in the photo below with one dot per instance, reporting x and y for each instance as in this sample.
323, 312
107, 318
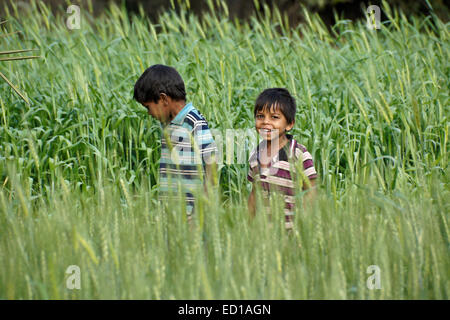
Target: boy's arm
211, 175
309, 176
206, 147
310, 195
251, 202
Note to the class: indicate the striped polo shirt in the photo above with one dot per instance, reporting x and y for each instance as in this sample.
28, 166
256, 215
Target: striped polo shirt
186, 146
280, 173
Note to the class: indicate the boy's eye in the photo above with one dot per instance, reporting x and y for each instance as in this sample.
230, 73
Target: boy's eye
275, 117
259, 116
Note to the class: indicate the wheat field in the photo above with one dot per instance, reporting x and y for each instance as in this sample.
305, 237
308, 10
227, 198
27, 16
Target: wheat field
79, 163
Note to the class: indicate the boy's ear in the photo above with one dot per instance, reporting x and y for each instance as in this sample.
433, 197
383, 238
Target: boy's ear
290, 126
164, 97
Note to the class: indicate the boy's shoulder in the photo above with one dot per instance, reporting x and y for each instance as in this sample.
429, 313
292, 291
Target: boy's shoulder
195, 118
293, 148
253, 158
301, 152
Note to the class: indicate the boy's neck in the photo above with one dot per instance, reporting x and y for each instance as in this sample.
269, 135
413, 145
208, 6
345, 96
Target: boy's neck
175, 108
282, 141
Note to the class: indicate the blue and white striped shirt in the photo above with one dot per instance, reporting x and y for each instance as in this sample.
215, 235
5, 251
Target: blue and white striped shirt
187, 145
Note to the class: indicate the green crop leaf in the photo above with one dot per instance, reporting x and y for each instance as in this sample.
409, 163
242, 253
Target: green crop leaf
14, 59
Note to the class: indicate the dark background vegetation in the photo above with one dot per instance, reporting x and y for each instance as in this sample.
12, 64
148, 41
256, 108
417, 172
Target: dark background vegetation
242, 9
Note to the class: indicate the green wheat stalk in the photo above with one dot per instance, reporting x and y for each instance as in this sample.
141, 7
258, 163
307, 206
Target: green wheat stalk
14, 59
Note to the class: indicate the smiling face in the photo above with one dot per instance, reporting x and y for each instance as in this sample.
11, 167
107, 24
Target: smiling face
271, 123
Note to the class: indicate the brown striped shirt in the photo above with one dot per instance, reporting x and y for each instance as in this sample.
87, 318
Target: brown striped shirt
280, 174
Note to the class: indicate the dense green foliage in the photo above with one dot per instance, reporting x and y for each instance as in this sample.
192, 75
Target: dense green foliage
78, 166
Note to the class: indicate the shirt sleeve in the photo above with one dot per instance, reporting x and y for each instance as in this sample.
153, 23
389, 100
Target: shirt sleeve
308, 165
204, 141
250, 175
252, 167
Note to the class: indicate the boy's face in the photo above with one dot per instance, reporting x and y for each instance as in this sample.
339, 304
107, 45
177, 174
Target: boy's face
158, 110
271, 123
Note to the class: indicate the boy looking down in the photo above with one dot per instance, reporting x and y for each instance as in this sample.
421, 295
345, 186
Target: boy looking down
187, 145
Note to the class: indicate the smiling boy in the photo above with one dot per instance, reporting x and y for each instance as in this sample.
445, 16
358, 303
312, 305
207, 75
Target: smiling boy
272, 163
187, 145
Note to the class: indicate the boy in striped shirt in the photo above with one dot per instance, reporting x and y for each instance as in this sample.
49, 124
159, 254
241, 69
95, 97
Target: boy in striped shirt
273, 164
187, 145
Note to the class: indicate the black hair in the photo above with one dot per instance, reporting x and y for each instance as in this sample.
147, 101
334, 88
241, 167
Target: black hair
159, 79
278, 98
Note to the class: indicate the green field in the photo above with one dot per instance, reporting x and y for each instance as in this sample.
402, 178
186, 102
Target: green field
79, 163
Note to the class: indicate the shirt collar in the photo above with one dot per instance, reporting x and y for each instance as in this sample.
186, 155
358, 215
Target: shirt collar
283, 154
179, 118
